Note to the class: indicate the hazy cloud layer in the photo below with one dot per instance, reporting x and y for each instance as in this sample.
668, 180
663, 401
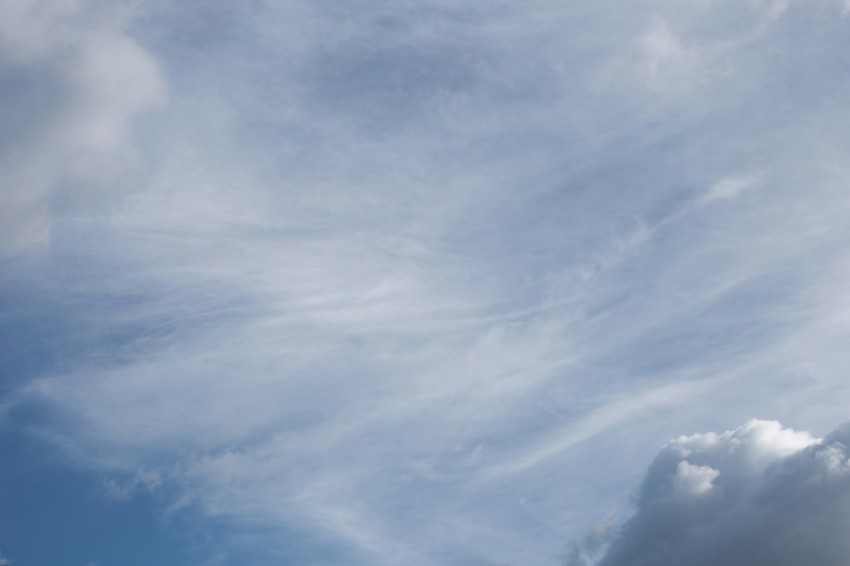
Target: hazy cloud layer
73, 84
424, 283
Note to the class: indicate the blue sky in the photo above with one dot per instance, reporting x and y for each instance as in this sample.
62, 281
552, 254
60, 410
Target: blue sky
420, 283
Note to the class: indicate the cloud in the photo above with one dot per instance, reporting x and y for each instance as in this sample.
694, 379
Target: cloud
667, 63
389, 252
731, 187
74, 83
758, 494
149, 480
595, 423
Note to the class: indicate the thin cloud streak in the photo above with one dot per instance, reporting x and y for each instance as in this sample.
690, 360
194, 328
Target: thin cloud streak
372, 241
599, 420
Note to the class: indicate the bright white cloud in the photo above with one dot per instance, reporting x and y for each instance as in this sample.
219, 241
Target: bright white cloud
694, 480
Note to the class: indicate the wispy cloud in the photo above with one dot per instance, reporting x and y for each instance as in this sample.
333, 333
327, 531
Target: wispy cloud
596, 422
125, 490
731, 187
419, 284
75, 82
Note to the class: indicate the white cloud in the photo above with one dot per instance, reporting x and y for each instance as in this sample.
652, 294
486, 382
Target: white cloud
76, 83
603, 418
667, 62
694, 480
759, 494
389, 254
732, 186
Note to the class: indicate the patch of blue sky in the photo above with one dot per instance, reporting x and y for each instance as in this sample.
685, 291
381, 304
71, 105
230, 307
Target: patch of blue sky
55, 514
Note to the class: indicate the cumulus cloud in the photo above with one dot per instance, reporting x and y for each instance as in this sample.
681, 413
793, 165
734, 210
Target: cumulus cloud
74, 82
759, 494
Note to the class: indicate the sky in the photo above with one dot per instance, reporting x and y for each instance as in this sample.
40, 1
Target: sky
424, 282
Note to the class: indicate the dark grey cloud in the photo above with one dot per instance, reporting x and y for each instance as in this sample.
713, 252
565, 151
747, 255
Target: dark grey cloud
759, 494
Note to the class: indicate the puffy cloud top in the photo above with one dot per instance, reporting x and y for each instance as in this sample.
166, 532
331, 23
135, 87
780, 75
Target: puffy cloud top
759, 494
